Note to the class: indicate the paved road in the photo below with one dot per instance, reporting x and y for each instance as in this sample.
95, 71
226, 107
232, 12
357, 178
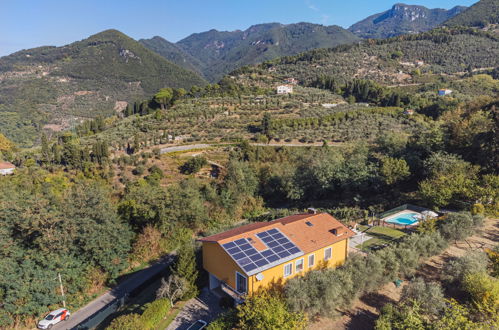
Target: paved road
275, 144
184, 148
133, 282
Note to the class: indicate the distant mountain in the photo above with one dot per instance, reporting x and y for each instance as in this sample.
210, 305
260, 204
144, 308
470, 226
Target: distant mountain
402, 19
53, 87
173, 53
220, 52
480, 14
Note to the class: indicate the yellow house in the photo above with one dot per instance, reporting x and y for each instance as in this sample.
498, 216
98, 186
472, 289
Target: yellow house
260, 254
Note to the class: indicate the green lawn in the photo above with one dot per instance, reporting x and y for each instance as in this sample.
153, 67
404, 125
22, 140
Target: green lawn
380, 235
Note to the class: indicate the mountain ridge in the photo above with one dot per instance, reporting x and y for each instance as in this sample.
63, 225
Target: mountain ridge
402, 19
480, 14
220, 52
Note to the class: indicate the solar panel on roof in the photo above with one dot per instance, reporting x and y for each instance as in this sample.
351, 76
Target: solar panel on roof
273, 258
229, 245
280, 249
283, 254
244, 261
261, 262
239, 255
249, 267
267, 253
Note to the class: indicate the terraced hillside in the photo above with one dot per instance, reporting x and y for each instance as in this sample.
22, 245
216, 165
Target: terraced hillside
399, 60
54, 87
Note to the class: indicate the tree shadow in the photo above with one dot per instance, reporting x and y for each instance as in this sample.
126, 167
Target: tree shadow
362, 320
376, 300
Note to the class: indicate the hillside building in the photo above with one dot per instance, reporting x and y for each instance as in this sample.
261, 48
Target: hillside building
285, 89
244, 259
6, 168
444, 92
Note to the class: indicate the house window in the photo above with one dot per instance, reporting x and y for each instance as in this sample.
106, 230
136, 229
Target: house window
311, 260
241, 283
288, 269
328, 253
299, 265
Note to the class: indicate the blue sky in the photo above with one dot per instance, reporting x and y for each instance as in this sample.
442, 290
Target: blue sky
31, 23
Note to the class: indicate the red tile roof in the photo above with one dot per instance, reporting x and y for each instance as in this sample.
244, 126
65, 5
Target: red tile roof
6, 165
324, 230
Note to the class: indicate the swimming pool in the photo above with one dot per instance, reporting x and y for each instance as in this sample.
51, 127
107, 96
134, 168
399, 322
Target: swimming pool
403, 219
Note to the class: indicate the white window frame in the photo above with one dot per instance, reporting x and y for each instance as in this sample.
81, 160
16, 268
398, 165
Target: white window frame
330, 249
313, 259
302, 265
284, 269
246, 278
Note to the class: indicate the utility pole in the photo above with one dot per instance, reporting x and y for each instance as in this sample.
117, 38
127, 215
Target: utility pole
62, 290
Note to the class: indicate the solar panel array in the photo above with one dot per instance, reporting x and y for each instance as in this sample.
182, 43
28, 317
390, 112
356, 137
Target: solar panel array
280, 249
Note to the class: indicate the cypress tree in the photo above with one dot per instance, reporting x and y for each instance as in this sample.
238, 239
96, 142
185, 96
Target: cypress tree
186, 268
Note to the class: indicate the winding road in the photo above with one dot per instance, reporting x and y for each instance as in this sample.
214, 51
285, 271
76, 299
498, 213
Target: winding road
120, 291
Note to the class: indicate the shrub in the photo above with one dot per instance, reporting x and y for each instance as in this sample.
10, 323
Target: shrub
226, 321
401, 317
155, 312
193, 165
455, 316
267, 310
126, 322
459, 225
477, 209
484, 292
472, 262
139, 170
429, 296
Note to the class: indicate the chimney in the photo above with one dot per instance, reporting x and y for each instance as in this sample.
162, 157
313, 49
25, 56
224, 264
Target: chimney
311, 210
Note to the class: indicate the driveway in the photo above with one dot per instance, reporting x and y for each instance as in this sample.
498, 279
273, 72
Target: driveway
204, 307
125, 287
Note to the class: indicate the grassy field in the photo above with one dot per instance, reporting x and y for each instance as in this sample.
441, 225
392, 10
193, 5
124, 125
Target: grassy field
380, 235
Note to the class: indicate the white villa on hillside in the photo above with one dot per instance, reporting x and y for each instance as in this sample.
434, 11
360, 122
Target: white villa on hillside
284, 89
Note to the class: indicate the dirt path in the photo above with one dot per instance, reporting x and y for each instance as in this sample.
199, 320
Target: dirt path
366, 309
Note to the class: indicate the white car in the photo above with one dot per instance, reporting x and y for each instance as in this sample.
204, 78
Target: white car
198, 325
61, 314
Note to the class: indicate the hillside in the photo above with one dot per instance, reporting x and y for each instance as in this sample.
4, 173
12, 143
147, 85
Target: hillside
399, 60
220, 52
482, 13
54, 87
173, 53
402, 19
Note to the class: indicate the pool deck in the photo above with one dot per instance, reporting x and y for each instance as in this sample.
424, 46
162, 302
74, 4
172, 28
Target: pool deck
399, 226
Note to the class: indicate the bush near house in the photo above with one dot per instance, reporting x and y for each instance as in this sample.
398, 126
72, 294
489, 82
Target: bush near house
126, 322
155, 312
264, 310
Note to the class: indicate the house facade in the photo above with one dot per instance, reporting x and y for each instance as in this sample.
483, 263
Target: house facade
262, 254
284, 89
6, 168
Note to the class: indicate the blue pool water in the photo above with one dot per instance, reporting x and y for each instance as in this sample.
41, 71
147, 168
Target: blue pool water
403, 219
